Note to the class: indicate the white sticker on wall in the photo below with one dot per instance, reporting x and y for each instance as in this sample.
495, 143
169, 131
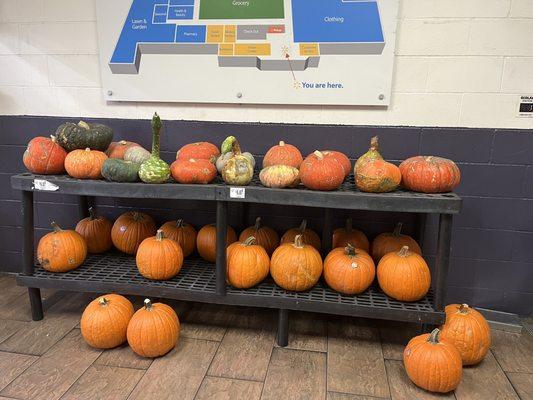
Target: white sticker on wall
525, 106
237, 193
43, 184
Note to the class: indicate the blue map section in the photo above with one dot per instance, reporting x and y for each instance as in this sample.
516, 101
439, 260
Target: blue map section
336, 21
191, 34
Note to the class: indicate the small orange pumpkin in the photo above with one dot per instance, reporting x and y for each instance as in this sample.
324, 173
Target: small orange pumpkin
433, 364
347, 235
468, 331
130, 229
377, 176
159, 258
118, 149
428, 174
319, 172
193, 171
104, 321
153, 330
181, 232
404, 275
296, 266
96, 231
283, 154
206, 241
61, 250
386, 242
247, 264
349, 270
199, 151
264, 236
310, 237
85, 164
341, 158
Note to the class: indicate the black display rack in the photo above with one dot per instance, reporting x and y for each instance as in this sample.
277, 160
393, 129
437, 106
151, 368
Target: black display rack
204, 282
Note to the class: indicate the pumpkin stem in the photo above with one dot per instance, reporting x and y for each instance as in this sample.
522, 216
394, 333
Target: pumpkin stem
92, 215
159, 235
318, 154
303, 226
123, 143
281, 143
84, 125
349, 226
463, 308
350, 250
103, 301
257, 223
298, 241
55, 227
148, 304
156, 129
179, 223
236, 148
249, 242
374, 143
136, 216
53, 138
87, 149
404, 251
434, 336
397, 230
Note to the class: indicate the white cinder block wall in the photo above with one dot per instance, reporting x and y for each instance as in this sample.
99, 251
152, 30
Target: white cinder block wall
459, 63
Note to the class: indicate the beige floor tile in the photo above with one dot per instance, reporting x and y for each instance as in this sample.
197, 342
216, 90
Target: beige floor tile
513, 351
522, 383
214, 388
123, 357
12, 365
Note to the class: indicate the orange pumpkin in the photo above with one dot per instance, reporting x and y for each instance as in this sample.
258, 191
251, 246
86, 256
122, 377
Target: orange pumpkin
296, 266
283, 154
206, 241
85, 164
349, 270
247, 264
386, 242
377, 176
433, 364
264, 236
342, 159
61, 250
404, 275
310, 237
130, 229
198, 151
468, 331
347, 235
118, 149
319, 172
428, 174
159, 258
96, 231
193, 171
153, 330
372, 154
104, 321
181, 232
44, 156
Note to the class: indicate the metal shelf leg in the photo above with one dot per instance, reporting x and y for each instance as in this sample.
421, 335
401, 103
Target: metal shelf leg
327, 231
222, 226
283, 328
83, 207
442, 263
420, 229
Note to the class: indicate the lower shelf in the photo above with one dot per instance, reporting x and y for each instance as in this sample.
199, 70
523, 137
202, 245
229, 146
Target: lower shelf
115, 272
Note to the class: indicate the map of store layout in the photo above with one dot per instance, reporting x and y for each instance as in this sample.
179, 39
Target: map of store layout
270, 35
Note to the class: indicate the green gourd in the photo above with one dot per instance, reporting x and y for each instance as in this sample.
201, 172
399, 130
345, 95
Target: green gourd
155, 170
227, 144
117, 170
372, 154
84, 135
238, 170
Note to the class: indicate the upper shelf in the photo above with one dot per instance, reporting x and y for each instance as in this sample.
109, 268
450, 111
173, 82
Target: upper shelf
347, 197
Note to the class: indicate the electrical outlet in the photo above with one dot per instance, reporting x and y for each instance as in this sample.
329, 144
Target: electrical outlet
525, 106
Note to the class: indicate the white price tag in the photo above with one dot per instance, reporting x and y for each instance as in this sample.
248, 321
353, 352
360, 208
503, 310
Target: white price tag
237, 193
43, 184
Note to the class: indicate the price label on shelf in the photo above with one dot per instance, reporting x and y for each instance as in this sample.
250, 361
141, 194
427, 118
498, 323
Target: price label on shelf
237, 193
43, 184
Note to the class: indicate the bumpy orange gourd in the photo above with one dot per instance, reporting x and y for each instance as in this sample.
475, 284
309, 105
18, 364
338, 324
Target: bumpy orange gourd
206, 241
96, 231
181, 232
61, 250
118, 149
349, 270
309, 236
404, 275
199, 151
296, 266
153, 330
104, 321
44, 156
372, 154
428, 174
433, 364
283, 154
85, 164
193, 171
468, 331
319, 172
377, 176
159, 258
264, 236
341, 158
386, 242
130, 229
347, 235
247, 264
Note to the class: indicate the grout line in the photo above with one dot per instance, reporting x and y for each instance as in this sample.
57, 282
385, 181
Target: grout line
140, 379
209, 366
504, 373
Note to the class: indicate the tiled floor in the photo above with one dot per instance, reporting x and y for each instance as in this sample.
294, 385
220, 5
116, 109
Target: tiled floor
230, 353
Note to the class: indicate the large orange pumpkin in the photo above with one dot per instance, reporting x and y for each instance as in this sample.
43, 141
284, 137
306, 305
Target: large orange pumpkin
468, 331
341, 158
85, 164
433, 364
377, 176
404, 275
159, 258
428, 174
153, 330
283, 154
347, 235
296, 266
198, 151
193, 171
96, 231
104, 321
206, 241
181, 232
349, 270
118, 149
319, 172
130, 229
264, 236
247, 264
309, 236
44, 156
61, 250
386, 242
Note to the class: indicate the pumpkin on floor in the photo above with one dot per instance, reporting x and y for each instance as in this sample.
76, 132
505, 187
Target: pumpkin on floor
96, 231
84, 135
404, 275
429, 174
199, 151
283, 154
247, 264
137, 155
153, 330
44, 156
265, 236
309, 236
159, 258
296, 266
349, 270
319, 172
117, 170
433, 363
347, 235
85, 164
155, 170
372, 154
468, 331
341, 158
181, 232
193, 171
238, 170
280, 177
130, 229
386, 242
105, 320
377, 176
118, 149
61, 250
206, 241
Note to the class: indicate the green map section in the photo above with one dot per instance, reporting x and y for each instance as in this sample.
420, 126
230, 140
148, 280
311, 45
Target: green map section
241, 9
